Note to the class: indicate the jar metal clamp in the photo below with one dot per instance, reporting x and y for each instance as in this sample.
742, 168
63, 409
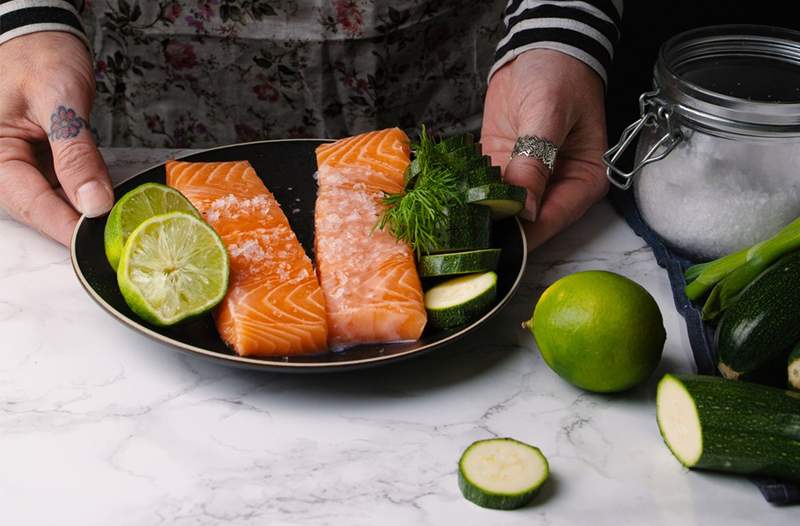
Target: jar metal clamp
653, 111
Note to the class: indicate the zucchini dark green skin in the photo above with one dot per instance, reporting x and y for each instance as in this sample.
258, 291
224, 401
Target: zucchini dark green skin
793, 368
468, 227
484, 174
454, 263
746, 428
764, 323
494, 502
772, 373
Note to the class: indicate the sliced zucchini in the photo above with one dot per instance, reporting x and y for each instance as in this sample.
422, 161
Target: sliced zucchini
501, 473
460, 300
725, 425
454, 263
504, 200
483, 173
794, 368
468, 227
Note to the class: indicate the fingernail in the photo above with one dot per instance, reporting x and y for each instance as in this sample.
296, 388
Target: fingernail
94, 199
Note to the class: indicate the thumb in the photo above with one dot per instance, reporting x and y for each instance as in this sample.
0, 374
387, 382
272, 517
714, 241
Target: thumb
77, 163
529, 171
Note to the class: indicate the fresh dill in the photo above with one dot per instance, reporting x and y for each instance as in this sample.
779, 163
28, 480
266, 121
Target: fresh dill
433, 186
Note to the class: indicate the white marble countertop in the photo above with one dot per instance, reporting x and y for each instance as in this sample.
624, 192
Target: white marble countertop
101, 426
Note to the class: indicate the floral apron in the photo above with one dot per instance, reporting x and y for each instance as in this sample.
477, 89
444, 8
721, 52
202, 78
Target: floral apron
194, 74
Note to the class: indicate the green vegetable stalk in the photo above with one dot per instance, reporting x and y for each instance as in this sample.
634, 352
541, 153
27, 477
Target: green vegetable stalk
700, 278
728, 276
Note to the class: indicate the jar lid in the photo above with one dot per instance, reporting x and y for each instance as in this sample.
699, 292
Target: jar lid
742, 79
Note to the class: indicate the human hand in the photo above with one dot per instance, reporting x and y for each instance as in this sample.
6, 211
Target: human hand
46, 89
556, 97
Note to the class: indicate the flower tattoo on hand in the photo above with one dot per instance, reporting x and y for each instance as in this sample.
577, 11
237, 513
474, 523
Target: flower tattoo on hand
65, 123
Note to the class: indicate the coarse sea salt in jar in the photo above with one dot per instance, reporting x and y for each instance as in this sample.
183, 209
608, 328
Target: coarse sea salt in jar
717, 165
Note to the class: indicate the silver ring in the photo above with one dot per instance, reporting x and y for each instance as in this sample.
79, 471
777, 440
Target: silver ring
536, 147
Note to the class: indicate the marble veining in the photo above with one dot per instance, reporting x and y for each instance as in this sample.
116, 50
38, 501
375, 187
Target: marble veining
101, 426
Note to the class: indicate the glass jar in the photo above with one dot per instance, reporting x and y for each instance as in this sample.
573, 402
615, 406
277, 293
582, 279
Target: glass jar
717, 164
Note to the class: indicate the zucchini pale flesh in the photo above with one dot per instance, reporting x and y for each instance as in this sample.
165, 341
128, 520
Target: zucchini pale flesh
460, 300
793, 368
723, 425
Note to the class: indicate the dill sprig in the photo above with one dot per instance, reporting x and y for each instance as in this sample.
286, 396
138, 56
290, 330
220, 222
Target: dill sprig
416, 214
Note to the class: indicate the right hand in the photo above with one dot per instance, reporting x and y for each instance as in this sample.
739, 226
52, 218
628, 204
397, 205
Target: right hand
549, 94
46, 89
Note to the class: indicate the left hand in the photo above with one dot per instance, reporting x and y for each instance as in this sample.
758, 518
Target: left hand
554, 96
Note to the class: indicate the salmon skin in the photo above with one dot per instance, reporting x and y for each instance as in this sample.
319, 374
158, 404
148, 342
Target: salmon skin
274, 305
372, 290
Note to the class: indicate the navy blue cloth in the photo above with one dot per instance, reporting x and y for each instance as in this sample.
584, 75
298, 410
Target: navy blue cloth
701, 335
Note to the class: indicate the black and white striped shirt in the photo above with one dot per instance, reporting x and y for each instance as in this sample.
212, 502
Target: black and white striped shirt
21, 17
585, 29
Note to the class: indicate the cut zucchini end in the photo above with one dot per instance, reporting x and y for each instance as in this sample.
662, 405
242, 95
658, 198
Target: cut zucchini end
502, 208
457, 291
501, 473
460, 300
794, 374
727, 372
502, 199
678, 421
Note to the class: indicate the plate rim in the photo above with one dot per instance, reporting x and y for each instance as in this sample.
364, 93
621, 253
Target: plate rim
277, 365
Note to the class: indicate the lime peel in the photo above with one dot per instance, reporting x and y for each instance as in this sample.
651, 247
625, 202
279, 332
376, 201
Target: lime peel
137, 205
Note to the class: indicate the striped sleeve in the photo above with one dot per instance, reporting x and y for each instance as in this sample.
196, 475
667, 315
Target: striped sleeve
587, 30
21, 17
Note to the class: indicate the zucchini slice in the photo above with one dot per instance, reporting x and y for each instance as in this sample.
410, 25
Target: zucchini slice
504, 200
459, 262
460, 300
793, 369
501, 473
484, 173
468, 227
724, 425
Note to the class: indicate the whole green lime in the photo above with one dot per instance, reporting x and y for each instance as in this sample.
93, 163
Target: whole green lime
599, 331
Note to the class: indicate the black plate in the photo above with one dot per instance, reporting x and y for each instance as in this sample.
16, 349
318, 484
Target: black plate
286, 167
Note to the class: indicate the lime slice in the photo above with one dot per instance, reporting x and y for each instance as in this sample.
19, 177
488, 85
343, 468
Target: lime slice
173, 266
143, 202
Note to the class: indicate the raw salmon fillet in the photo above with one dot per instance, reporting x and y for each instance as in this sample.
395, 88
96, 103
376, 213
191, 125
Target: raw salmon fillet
372, 289
274, 305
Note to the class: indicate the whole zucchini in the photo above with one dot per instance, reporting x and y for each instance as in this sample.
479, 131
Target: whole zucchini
764, 323
712, 423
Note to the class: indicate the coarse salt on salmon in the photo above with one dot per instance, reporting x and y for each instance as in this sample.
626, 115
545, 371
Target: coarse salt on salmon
274, 305
371, 286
